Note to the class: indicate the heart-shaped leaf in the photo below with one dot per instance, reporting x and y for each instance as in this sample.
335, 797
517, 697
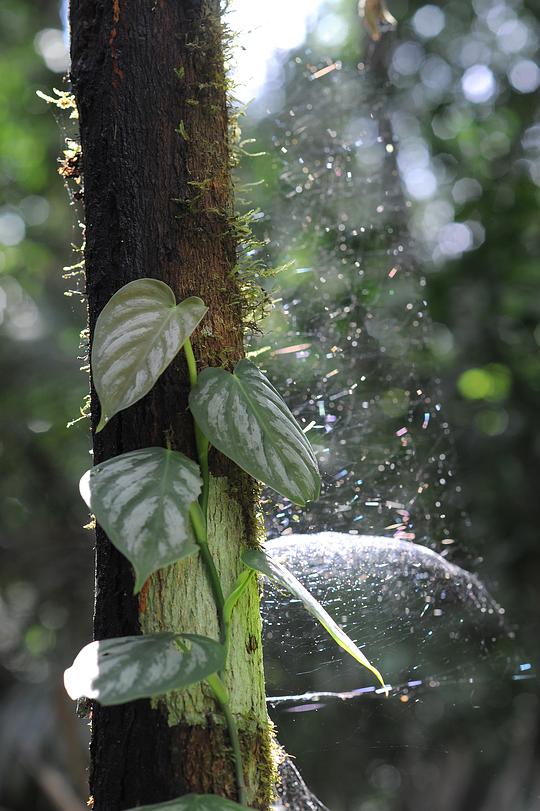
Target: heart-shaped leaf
137, 334
116, 671
142, 501
194, 802
259, 561
245, 418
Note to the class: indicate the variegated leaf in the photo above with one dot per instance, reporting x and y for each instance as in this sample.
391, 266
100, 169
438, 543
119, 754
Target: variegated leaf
137, 335
142, 501
194, 802
115, 671
245, 418
259, 561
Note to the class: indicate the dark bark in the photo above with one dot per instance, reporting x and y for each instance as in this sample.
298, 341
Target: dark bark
149, 83
140, 70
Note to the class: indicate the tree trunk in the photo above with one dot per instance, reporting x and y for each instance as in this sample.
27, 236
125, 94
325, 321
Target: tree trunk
150, 87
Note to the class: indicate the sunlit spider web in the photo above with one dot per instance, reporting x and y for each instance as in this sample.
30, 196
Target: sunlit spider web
348, 345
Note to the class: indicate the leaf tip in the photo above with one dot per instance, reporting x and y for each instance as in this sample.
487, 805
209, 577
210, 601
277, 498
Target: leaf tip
201, 304
102, 423
140, 580
378, 675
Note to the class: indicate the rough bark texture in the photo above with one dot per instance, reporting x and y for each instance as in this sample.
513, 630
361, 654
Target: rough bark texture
149, 82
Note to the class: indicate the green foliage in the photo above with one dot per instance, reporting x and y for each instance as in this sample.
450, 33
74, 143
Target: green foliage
146, 499
194, 802
138, 333
246, 419
143, 496
115, 671
486, 301
181, 130
492, 382
260, 562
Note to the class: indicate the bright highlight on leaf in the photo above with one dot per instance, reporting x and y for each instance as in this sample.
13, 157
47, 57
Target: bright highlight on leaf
259, 561
194, 802
137, 335
245, 418
142, 501
116, 671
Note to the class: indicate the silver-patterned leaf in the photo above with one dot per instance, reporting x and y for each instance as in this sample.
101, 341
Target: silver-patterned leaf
137, 335
245, 418
194, 802
258, 560
115, 671
142, 501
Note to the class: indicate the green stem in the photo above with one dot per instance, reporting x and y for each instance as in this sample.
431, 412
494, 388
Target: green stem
199, 515
191, 363
200, 439
199, 526
199, 511
220, 694
230, 603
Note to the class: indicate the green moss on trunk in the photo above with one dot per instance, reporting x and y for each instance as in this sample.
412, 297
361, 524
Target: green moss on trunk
179, 598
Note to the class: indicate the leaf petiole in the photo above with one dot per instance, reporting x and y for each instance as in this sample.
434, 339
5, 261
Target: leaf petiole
200, 439
199, 526
221, 695
240, 586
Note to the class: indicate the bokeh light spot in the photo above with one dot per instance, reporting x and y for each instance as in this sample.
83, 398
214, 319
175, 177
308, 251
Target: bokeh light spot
478, 84
428, 21
525, 76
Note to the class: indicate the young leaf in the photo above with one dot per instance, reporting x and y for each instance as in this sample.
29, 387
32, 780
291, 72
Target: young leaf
138, 333
142, 501
245, 418
259, 561
194, 802
116, 671
239, 587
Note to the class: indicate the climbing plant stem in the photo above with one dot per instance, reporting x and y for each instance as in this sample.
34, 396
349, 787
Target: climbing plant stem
191, 363
220, 694
199, 525
199, 514
200, 439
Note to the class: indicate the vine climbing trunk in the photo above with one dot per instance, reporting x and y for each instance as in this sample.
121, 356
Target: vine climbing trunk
150, 88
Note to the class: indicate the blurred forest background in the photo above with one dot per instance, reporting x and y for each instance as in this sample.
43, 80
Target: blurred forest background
402, 186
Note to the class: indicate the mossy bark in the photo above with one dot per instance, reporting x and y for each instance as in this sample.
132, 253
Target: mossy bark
182, 593
150, 89
179, 597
